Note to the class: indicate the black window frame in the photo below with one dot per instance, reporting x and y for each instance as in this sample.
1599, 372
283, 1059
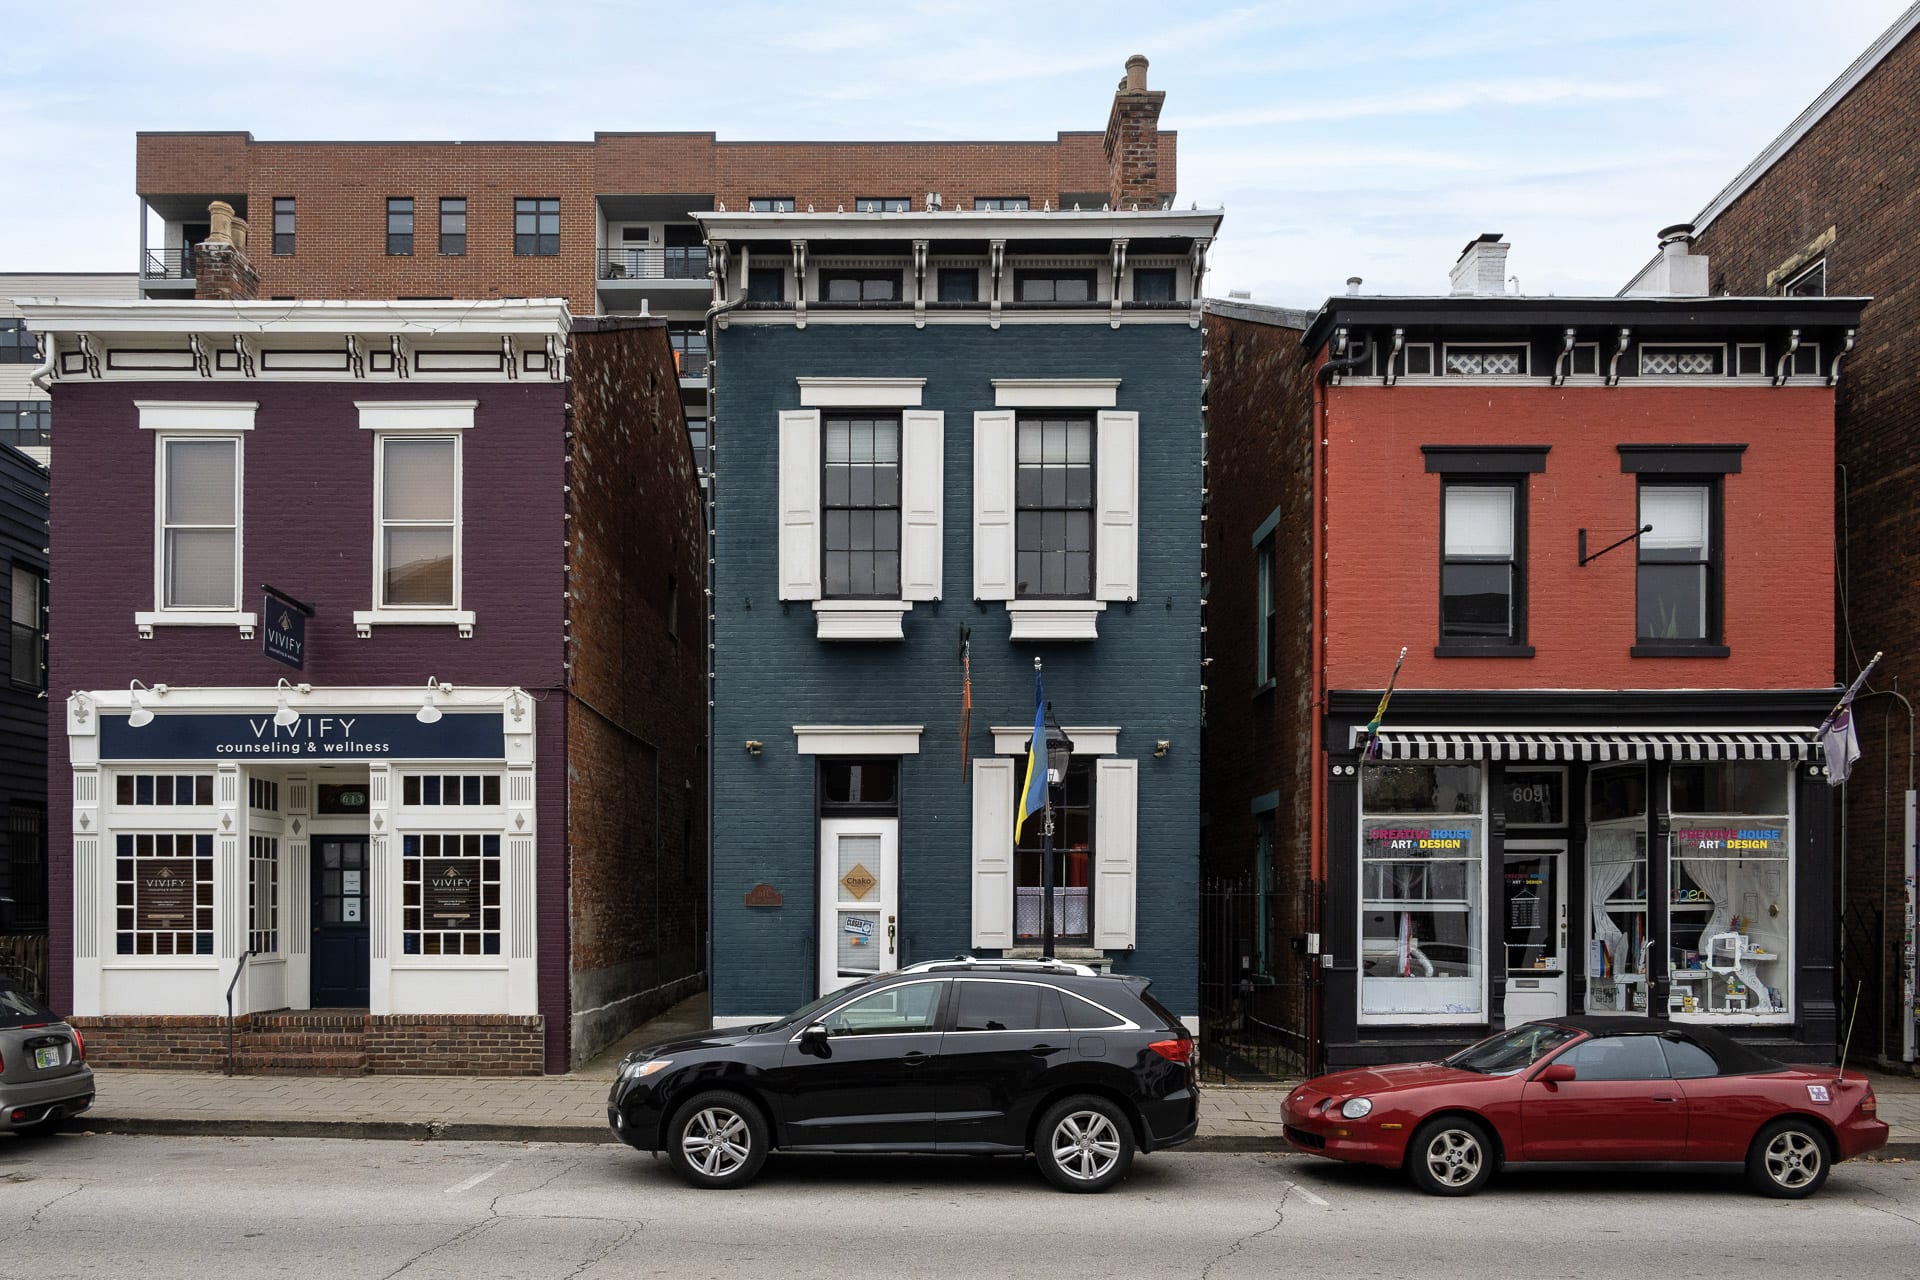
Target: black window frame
856, 805
26, 423
883, 204
1514, 644
1025, 276
772, 204
1024, 508
1004, 204
757, 279
1713, 643
830, 276
284, 241
17, 343
453, 244
33, 635
538, 242
1168, 274
1066, 804
874, 508
970, 276
400, 213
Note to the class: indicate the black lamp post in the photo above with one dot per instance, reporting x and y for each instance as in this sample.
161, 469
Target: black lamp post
1059, 754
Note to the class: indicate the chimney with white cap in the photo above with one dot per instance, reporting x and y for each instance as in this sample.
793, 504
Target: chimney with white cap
1678, 272
1481, 271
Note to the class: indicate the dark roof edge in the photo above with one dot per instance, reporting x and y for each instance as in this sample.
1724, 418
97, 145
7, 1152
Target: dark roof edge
1640, 309
1258, 313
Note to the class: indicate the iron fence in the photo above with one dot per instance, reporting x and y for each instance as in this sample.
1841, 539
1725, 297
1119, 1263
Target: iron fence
1259, 992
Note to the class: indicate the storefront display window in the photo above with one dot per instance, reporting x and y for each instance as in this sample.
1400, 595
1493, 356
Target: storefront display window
163, 904
451, 887
1422, 842
1617, 950
1730, 891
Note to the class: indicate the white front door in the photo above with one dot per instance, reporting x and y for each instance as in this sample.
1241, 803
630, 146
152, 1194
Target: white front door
859, 899
1533, 925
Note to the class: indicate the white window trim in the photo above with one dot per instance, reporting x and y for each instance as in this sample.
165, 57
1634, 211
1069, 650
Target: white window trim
1640, 358
857, 739
1088, 740
190, 424
1056, 393
861, 393
412, 425
860, 619
1055, 619
416, 415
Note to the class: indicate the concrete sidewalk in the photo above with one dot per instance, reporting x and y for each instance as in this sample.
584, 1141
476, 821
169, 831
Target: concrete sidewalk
572, 1108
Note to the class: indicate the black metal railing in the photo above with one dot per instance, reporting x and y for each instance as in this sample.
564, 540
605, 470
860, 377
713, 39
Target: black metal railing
238, 971
692, 364
674, 262
1259, 991
169, 264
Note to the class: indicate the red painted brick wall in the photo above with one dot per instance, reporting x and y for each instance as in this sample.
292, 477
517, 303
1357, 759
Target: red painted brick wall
1857, 173
1384, 529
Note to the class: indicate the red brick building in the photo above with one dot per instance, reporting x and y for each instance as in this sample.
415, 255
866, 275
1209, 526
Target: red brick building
1600, 531
1829, 207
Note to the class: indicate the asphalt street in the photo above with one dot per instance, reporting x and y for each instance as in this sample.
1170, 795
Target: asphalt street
92, 1205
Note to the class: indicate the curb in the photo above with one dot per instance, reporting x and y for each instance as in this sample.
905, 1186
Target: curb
456, 1131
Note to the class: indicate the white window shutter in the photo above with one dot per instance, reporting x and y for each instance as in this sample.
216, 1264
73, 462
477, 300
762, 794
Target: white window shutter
993, 852
1116, 551
923, 448
993, 505
799, 504
1116, 843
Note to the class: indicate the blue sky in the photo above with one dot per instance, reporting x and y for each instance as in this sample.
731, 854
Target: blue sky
1350, 140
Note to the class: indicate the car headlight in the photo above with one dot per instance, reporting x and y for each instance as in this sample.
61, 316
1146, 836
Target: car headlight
1356, 1108
640, 1070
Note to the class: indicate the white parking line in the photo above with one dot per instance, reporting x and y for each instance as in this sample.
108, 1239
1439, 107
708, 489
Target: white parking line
474, 1181
1308, 1196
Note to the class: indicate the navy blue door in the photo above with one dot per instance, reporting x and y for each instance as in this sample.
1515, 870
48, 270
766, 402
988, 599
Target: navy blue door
340, 939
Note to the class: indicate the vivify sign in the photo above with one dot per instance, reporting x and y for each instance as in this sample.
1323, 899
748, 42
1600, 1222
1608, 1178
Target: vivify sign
283, 631
355, 736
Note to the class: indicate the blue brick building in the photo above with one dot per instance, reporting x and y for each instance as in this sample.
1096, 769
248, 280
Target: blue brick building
935, 432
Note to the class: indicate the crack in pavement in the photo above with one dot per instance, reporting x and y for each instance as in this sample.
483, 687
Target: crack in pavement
629, 1231
34, 1220
493, 1216
1889, 1212
1279, 1217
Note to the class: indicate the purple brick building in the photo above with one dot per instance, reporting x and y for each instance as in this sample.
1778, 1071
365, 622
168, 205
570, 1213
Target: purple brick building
376, 850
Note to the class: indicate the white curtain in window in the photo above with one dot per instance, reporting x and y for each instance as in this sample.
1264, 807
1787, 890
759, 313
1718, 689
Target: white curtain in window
1678, 514
200, 526
418, 480
1711, 875
1606, 876
1480, 520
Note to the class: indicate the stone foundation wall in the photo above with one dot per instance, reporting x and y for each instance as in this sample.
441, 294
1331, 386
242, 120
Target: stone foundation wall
329, 1043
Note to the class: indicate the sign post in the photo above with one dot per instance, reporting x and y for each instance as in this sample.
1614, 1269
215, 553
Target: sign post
283, 637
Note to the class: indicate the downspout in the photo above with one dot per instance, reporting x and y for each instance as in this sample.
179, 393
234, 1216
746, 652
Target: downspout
42, 374
714, 312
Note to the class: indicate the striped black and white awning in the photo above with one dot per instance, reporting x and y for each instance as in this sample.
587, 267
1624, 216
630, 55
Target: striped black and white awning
1595, 747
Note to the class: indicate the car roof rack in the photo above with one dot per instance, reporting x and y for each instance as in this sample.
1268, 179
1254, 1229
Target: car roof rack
963, 961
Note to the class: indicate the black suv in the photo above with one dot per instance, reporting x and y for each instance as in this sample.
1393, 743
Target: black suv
964, 1056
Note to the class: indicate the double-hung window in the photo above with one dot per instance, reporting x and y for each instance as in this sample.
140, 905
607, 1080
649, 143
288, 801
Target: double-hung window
1267, 639
28, 611
1480, 565
400, 226
1053, 493
16, 343
453, 226
419, 503
859, 285
1063, 285
1073, 864
536, 227
860, 503
200, 523
283, 226
1678, 587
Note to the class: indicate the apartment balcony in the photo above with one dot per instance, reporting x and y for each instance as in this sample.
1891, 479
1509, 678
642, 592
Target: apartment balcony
674, 275
167, 272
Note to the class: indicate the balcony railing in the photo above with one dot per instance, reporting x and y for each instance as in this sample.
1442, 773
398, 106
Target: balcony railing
691, 364
675, 262
168, 264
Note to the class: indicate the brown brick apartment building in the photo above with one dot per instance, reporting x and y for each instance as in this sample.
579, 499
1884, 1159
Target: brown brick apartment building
1832, 206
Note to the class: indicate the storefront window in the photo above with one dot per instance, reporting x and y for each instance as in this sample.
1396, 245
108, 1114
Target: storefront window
263, 894
163, 894
1617, 890
1730, 890
1422, 841
451, 888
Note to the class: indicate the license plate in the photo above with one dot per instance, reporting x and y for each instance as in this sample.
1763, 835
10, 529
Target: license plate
47, 1057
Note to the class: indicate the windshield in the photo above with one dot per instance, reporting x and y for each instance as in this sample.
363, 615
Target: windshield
1511, 1051
806, 1012
17, 1008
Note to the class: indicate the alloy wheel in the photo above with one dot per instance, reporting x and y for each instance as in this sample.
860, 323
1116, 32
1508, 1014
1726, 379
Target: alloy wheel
1454, 1157
716, 1141
1793, 1159
1086, 1145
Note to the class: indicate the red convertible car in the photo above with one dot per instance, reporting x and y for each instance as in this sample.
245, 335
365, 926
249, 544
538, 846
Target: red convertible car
1588, 1090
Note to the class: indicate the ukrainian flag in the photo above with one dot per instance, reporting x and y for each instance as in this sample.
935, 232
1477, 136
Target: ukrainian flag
1033, 794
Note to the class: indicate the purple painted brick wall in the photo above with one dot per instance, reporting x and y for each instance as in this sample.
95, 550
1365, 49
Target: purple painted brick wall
308, 529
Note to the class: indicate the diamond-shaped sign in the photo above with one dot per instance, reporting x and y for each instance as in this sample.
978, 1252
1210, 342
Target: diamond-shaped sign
858, 883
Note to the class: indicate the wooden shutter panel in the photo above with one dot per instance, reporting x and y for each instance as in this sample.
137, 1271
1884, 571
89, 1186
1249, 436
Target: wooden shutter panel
799, 504
993, 505
1116, 553
1116, 842
993, 852
923, 436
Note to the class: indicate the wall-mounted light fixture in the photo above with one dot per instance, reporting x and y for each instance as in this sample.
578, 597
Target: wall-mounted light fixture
138, 716
429, 712
1161, 748
283, 715
754, 746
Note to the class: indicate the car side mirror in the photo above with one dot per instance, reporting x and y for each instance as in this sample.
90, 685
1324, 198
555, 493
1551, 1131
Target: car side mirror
814, 1037
1558, 1073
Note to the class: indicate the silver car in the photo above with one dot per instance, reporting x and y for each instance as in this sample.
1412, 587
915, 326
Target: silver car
44, 1076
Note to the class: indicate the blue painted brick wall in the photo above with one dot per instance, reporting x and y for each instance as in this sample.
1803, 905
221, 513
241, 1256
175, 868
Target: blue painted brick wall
1143, 673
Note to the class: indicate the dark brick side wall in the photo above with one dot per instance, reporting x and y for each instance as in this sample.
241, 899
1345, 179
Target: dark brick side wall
636, 724
1259, 461
1857, 172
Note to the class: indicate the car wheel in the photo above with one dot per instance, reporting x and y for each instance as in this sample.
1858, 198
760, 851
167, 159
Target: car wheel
1084, 1144
1451, 1156
1789, 1160
718, 1140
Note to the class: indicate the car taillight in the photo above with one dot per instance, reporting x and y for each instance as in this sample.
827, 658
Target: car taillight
1869, 1105
79, 1045
1180, 1051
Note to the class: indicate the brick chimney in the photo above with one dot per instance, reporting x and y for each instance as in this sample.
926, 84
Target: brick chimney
220, 267
1133, 140
1481, 271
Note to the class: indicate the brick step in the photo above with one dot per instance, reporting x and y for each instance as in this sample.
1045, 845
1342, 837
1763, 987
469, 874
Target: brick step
301, 1041
300, 1064
303, 1020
